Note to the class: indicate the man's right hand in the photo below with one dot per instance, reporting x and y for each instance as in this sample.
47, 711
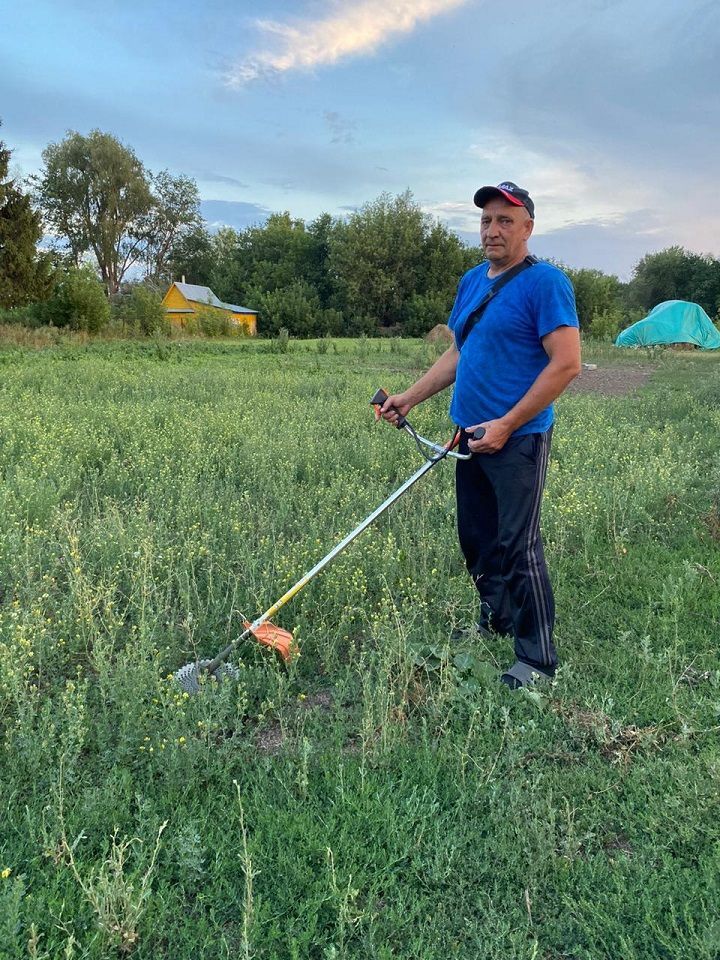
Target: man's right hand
396, 406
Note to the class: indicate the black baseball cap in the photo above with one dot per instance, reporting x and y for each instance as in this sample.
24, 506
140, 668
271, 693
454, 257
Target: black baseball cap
510, 191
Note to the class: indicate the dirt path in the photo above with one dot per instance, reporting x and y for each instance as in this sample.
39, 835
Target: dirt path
612, 381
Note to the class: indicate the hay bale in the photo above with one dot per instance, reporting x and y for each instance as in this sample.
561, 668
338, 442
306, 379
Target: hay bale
440, 333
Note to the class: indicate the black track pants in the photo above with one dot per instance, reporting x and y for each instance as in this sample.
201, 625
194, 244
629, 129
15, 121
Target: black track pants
498, 513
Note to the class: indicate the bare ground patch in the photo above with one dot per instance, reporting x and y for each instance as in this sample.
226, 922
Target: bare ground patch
612, 381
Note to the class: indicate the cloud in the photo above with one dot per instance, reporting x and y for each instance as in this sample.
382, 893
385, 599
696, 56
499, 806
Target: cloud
341, 130
610, 247
353, 28
209, 177
233, 213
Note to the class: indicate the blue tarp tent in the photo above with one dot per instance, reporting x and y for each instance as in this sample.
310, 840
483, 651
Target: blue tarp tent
674, 321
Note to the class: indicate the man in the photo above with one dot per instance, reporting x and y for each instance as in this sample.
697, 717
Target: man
519, 355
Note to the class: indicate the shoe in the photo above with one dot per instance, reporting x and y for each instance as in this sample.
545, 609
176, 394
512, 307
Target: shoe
522, 674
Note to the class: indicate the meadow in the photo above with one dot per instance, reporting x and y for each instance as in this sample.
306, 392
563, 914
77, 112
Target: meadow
382, 796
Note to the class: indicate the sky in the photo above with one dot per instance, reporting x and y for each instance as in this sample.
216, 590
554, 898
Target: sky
607, 111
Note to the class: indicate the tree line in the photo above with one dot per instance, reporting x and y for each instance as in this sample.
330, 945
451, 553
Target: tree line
122, 233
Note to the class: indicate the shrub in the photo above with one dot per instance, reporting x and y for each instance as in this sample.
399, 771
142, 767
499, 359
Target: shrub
331, 323
605, 325
142, 310
361, 326
79, 302
27, 316
296, 307
423, 312
212, 323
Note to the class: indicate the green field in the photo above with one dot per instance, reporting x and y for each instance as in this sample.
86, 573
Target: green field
383, 796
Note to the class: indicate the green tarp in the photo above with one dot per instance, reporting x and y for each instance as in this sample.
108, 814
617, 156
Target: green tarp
674, 321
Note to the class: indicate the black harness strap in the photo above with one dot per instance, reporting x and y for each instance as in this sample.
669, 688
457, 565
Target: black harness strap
502, 281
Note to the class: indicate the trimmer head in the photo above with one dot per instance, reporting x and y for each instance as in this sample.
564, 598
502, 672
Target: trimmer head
189, 676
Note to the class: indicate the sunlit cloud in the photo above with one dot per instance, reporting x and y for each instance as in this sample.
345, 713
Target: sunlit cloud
351, 29
565, 190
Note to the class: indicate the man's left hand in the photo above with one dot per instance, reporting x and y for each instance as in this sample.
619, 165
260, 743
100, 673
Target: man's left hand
496, 436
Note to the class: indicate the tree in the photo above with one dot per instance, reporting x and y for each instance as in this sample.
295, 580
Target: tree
376, 258
320, 232
175, 214
270, 257
25, 275
95, 193
389, 253
596, 294
676, 274
193, 256
224, 246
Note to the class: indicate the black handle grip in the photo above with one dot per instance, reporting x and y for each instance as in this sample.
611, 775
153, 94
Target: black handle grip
479, 433
378, 399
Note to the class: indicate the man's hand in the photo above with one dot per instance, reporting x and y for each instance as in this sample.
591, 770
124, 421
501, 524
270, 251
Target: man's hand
396, 406
496, 436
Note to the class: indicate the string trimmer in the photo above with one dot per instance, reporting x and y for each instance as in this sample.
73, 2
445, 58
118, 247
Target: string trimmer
267, 633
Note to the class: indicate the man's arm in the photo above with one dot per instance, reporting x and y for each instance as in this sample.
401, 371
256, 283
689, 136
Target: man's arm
563, 348
440, 375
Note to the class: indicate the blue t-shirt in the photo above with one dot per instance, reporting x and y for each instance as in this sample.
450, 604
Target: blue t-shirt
503, 355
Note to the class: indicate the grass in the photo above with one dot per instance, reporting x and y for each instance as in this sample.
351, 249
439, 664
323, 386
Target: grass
383, 797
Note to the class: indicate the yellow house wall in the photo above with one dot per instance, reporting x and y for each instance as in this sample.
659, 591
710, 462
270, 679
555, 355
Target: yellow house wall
247, 320
174, 300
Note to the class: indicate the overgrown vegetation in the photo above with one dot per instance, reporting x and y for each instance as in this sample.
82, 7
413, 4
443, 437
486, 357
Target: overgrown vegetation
384, 796
387, 268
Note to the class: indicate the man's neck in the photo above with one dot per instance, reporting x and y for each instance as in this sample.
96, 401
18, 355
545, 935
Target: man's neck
495, 271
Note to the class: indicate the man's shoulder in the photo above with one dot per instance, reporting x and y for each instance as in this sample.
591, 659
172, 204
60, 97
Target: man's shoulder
547, 270
546, 276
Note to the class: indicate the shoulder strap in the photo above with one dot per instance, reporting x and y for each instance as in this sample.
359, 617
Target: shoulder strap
502, 281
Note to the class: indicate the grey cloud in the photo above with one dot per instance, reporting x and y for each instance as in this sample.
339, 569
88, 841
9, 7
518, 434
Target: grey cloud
644, 91
233, 213
612, 248
341, 129
221, 178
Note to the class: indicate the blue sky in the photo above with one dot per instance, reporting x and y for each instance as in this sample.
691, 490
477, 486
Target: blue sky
606, 110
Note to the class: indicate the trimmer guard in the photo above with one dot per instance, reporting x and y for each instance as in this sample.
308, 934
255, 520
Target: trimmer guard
274, 637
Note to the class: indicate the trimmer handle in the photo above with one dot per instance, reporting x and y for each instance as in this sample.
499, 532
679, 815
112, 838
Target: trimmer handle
378, 399
479, 433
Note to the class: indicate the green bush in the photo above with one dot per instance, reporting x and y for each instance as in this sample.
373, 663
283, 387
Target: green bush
212, 323
27, 316
361, 326
141, 310
296, 307
79, 302
423, 312
605, 325
331, 323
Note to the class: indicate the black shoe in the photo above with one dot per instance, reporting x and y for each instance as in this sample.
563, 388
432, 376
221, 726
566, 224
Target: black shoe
522, 674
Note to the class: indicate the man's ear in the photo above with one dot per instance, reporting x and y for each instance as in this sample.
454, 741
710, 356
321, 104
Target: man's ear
530, 225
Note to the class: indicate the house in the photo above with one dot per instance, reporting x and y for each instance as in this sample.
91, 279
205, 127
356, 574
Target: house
184, 301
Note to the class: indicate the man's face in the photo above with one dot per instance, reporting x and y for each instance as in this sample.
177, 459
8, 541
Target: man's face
504, 232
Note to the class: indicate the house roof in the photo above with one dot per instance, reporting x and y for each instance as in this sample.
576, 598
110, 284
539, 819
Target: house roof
199, 294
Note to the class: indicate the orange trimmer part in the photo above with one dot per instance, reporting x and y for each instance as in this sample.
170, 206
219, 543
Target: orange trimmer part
274, 637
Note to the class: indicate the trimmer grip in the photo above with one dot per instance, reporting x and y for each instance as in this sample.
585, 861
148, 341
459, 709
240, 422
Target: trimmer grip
479, 433
378, 399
